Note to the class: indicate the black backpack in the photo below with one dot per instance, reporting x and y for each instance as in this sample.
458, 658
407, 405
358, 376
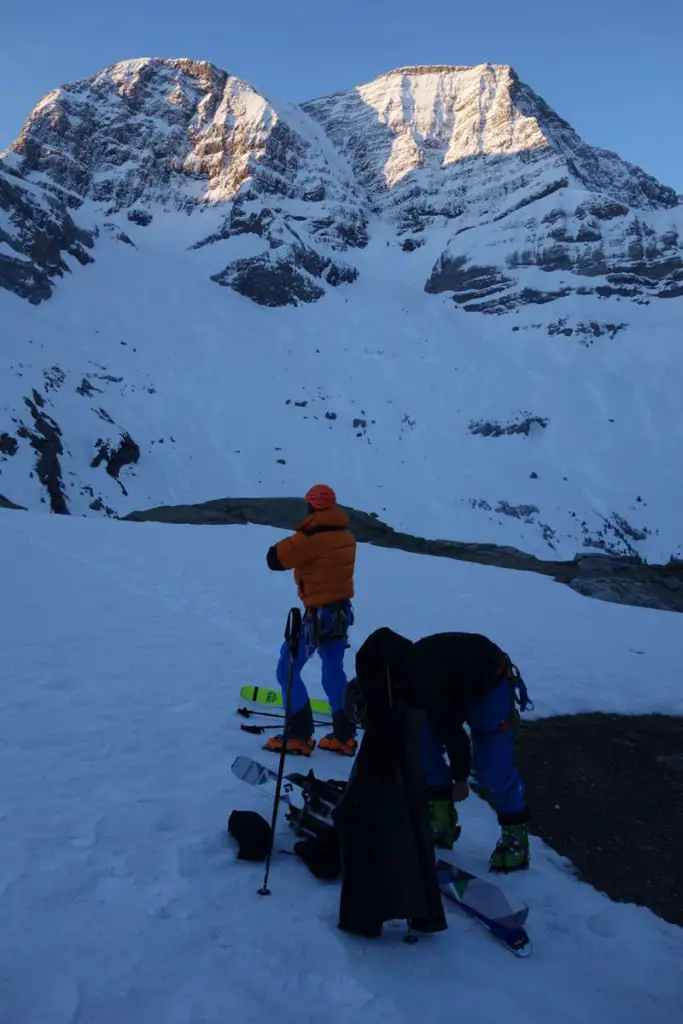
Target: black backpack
318, 845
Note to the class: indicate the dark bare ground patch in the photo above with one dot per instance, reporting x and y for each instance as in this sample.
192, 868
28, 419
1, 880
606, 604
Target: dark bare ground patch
606, 791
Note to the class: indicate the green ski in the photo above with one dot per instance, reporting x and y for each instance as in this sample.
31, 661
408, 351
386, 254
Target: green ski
273, 698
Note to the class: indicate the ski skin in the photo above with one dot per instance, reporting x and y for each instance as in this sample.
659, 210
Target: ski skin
515, 940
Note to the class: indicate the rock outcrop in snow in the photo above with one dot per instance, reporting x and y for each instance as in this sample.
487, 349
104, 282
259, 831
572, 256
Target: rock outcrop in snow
36, 235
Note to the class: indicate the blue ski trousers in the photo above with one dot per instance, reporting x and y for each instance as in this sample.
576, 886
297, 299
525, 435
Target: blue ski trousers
331, 651
491, 722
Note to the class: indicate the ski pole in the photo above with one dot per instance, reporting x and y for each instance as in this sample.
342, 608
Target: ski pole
248, 713
258, 730
293, 639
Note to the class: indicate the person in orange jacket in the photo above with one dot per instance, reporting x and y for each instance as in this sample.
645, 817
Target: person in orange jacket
322, 553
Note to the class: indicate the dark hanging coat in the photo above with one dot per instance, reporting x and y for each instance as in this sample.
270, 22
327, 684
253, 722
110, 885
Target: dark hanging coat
386, 848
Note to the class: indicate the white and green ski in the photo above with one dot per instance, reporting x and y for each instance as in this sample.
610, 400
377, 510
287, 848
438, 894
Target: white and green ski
273, 698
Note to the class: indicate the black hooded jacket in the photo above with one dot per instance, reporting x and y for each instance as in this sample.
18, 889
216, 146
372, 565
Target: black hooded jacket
386, 848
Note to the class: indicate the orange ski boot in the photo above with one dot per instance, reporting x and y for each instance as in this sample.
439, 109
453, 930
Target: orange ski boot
343, 739
294, 745
337, 746
299, 735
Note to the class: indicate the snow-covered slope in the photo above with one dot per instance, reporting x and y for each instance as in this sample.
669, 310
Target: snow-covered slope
123, 650
357, 238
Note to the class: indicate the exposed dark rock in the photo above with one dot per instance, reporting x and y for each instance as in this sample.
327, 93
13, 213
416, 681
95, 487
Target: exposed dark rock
553, 258
257, 222
584, 802
103, 415
269, 282
490, 428
337, 274
87, 388
596, 169
268, 224
620, 580
140, 217
8, 445
40, 230
6, 503
25, 280
54, 378
606, 292
46, 440
355, 235
514, 300
601, 210
586, 332
453, 274
411, 244
525, 512
542, 193
315, 195
649, 265
615, 536
588, 234
284, 280
116, 456
99, 506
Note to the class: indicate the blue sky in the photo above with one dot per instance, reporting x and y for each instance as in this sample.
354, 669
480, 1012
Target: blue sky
612, 68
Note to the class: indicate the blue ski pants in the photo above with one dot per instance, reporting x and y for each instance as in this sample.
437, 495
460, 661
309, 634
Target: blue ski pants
331, 652
493, 741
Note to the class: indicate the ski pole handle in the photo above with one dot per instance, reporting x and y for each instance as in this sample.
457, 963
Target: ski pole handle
293, 631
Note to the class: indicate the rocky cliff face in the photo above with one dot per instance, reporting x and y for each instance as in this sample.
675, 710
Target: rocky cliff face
151, 136
36, 237
452, 142
472, 149
476, 148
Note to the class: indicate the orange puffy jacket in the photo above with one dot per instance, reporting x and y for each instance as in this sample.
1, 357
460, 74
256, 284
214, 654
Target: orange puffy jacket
322, 554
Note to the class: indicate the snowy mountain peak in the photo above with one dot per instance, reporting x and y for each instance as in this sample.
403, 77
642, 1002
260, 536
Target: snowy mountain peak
151, 136
178, 132
427, 124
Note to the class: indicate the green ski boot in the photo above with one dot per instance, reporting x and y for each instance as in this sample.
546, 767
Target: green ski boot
443, 819
512, 850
